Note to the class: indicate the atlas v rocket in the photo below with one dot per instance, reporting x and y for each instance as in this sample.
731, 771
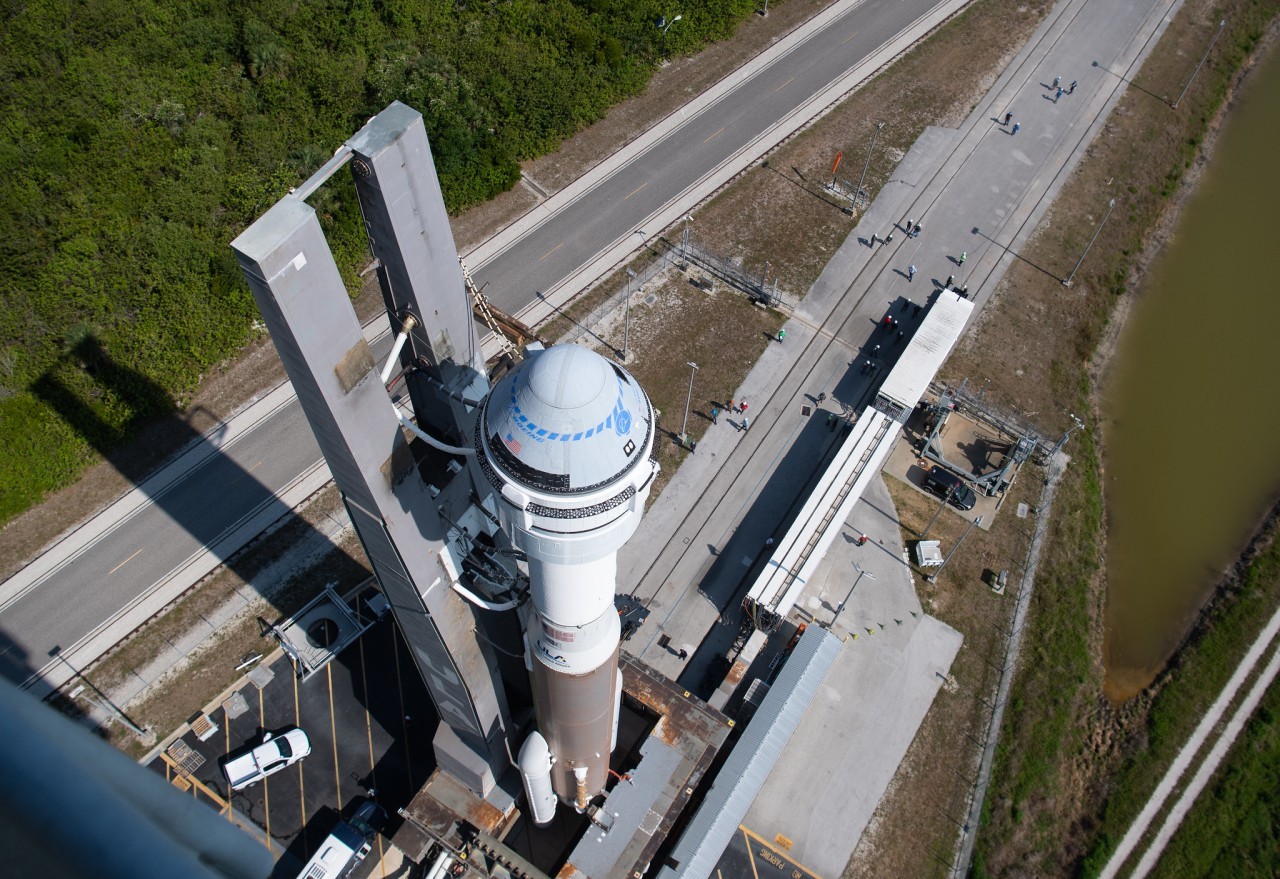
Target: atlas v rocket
559, 450
566, 441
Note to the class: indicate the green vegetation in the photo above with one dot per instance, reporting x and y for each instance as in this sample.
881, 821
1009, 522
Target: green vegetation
139, 138
1053, 765
1233, 830
1188, 688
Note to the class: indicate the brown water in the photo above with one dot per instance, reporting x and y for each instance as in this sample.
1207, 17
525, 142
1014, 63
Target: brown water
1194, 439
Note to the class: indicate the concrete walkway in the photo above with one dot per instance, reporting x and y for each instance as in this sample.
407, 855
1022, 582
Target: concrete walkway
979, 190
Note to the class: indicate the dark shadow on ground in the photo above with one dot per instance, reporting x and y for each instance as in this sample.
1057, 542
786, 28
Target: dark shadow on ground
206, 504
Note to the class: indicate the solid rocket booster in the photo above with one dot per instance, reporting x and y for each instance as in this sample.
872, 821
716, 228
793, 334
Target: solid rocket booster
566, 441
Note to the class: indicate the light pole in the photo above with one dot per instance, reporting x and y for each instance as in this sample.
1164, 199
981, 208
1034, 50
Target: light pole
853, 205
1110, 206
688, 218
933, 577
684, 436
857, 580
665, 26
103, 702
626, 327
1221, 26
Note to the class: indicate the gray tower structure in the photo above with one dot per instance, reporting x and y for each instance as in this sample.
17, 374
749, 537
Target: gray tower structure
298, 288
409, 235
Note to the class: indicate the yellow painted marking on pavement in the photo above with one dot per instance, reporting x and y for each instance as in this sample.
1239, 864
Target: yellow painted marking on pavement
709, 138
637, 189
798, 870
551, 251
266, 782
848, 38
302, 786
333, 727
226, 734
751, 858
404, 724
123, 563
784, 85
368, 718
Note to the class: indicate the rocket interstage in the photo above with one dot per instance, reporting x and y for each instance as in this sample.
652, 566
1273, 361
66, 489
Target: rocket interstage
566, 441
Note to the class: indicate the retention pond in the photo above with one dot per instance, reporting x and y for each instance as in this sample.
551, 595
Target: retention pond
1193, 435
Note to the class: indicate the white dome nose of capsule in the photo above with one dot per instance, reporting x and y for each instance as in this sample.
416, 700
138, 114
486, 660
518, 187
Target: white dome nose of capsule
567, 420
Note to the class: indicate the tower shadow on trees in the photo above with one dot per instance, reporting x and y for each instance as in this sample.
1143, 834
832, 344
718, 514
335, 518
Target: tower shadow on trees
208, 503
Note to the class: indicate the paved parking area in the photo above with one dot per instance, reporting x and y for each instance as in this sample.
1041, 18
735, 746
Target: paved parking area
370, 722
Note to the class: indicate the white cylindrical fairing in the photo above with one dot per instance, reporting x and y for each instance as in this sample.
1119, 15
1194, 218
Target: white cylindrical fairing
535, 773
565, 440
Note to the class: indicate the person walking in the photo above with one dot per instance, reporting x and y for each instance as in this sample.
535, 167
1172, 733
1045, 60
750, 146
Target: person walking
1058, 96
732, 408
911, 273
1071, 90
888, 237
746, 423
910, 223
782, 334
1057, 81
916, 232
950, 278
715, 414
1016, 126
964, 254
1008, 117
742, 407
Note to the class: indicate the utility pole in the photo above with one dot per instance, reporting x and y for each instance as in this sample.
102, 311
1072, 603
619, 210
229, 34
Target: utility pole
857, 580
1110, 206
938, 512
103, 702
684, 435
933, 577
853, 205
1221, 26
626, 327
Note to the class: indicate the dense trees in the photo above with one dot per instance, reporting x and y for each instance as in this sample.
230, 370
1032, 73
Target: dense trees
138, 138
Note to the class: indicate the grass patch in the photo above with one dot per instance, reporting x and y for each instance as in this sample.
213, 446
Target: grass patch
1186, 689
1061, 739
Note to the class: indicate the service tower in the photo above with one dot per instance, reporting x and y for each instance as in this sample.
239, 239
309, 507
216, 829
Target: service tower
566, 441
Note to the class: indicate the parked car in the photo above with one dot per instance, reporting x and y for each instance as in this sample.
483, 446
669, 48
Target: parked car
348, 845
252, 763
940, 481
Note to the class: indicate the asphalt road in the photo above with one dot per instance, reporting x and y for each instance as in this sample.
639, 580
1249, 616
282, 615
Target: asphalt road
619, 205
103, 581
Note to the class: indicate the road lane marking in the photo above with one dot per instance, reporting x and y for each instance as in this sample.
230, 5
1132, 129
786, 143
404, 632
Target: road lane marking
751, 858
333, 728
784, 85
123, 563
848, 38
708, 140
637, 189
553, 250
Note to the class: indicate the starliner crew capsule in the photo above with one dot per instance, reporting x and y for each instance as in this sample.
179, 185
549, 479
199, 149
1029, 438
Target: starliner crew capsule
566, 440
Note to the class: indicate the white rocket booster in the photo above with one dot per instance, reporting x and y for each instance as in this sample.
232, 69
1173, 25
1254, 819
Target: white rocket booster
566, 440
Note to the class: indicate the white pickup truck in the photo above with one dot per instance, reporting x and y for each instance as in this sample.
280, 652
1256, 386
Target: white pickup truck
252, 763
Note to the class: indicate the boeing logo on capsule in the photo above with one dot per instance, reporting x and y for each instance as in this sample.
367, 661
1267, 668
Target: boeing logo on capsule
619, 419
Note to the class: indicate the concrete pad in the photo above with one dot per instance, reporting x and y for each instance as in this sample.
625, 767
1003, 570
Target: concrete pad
840, 760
